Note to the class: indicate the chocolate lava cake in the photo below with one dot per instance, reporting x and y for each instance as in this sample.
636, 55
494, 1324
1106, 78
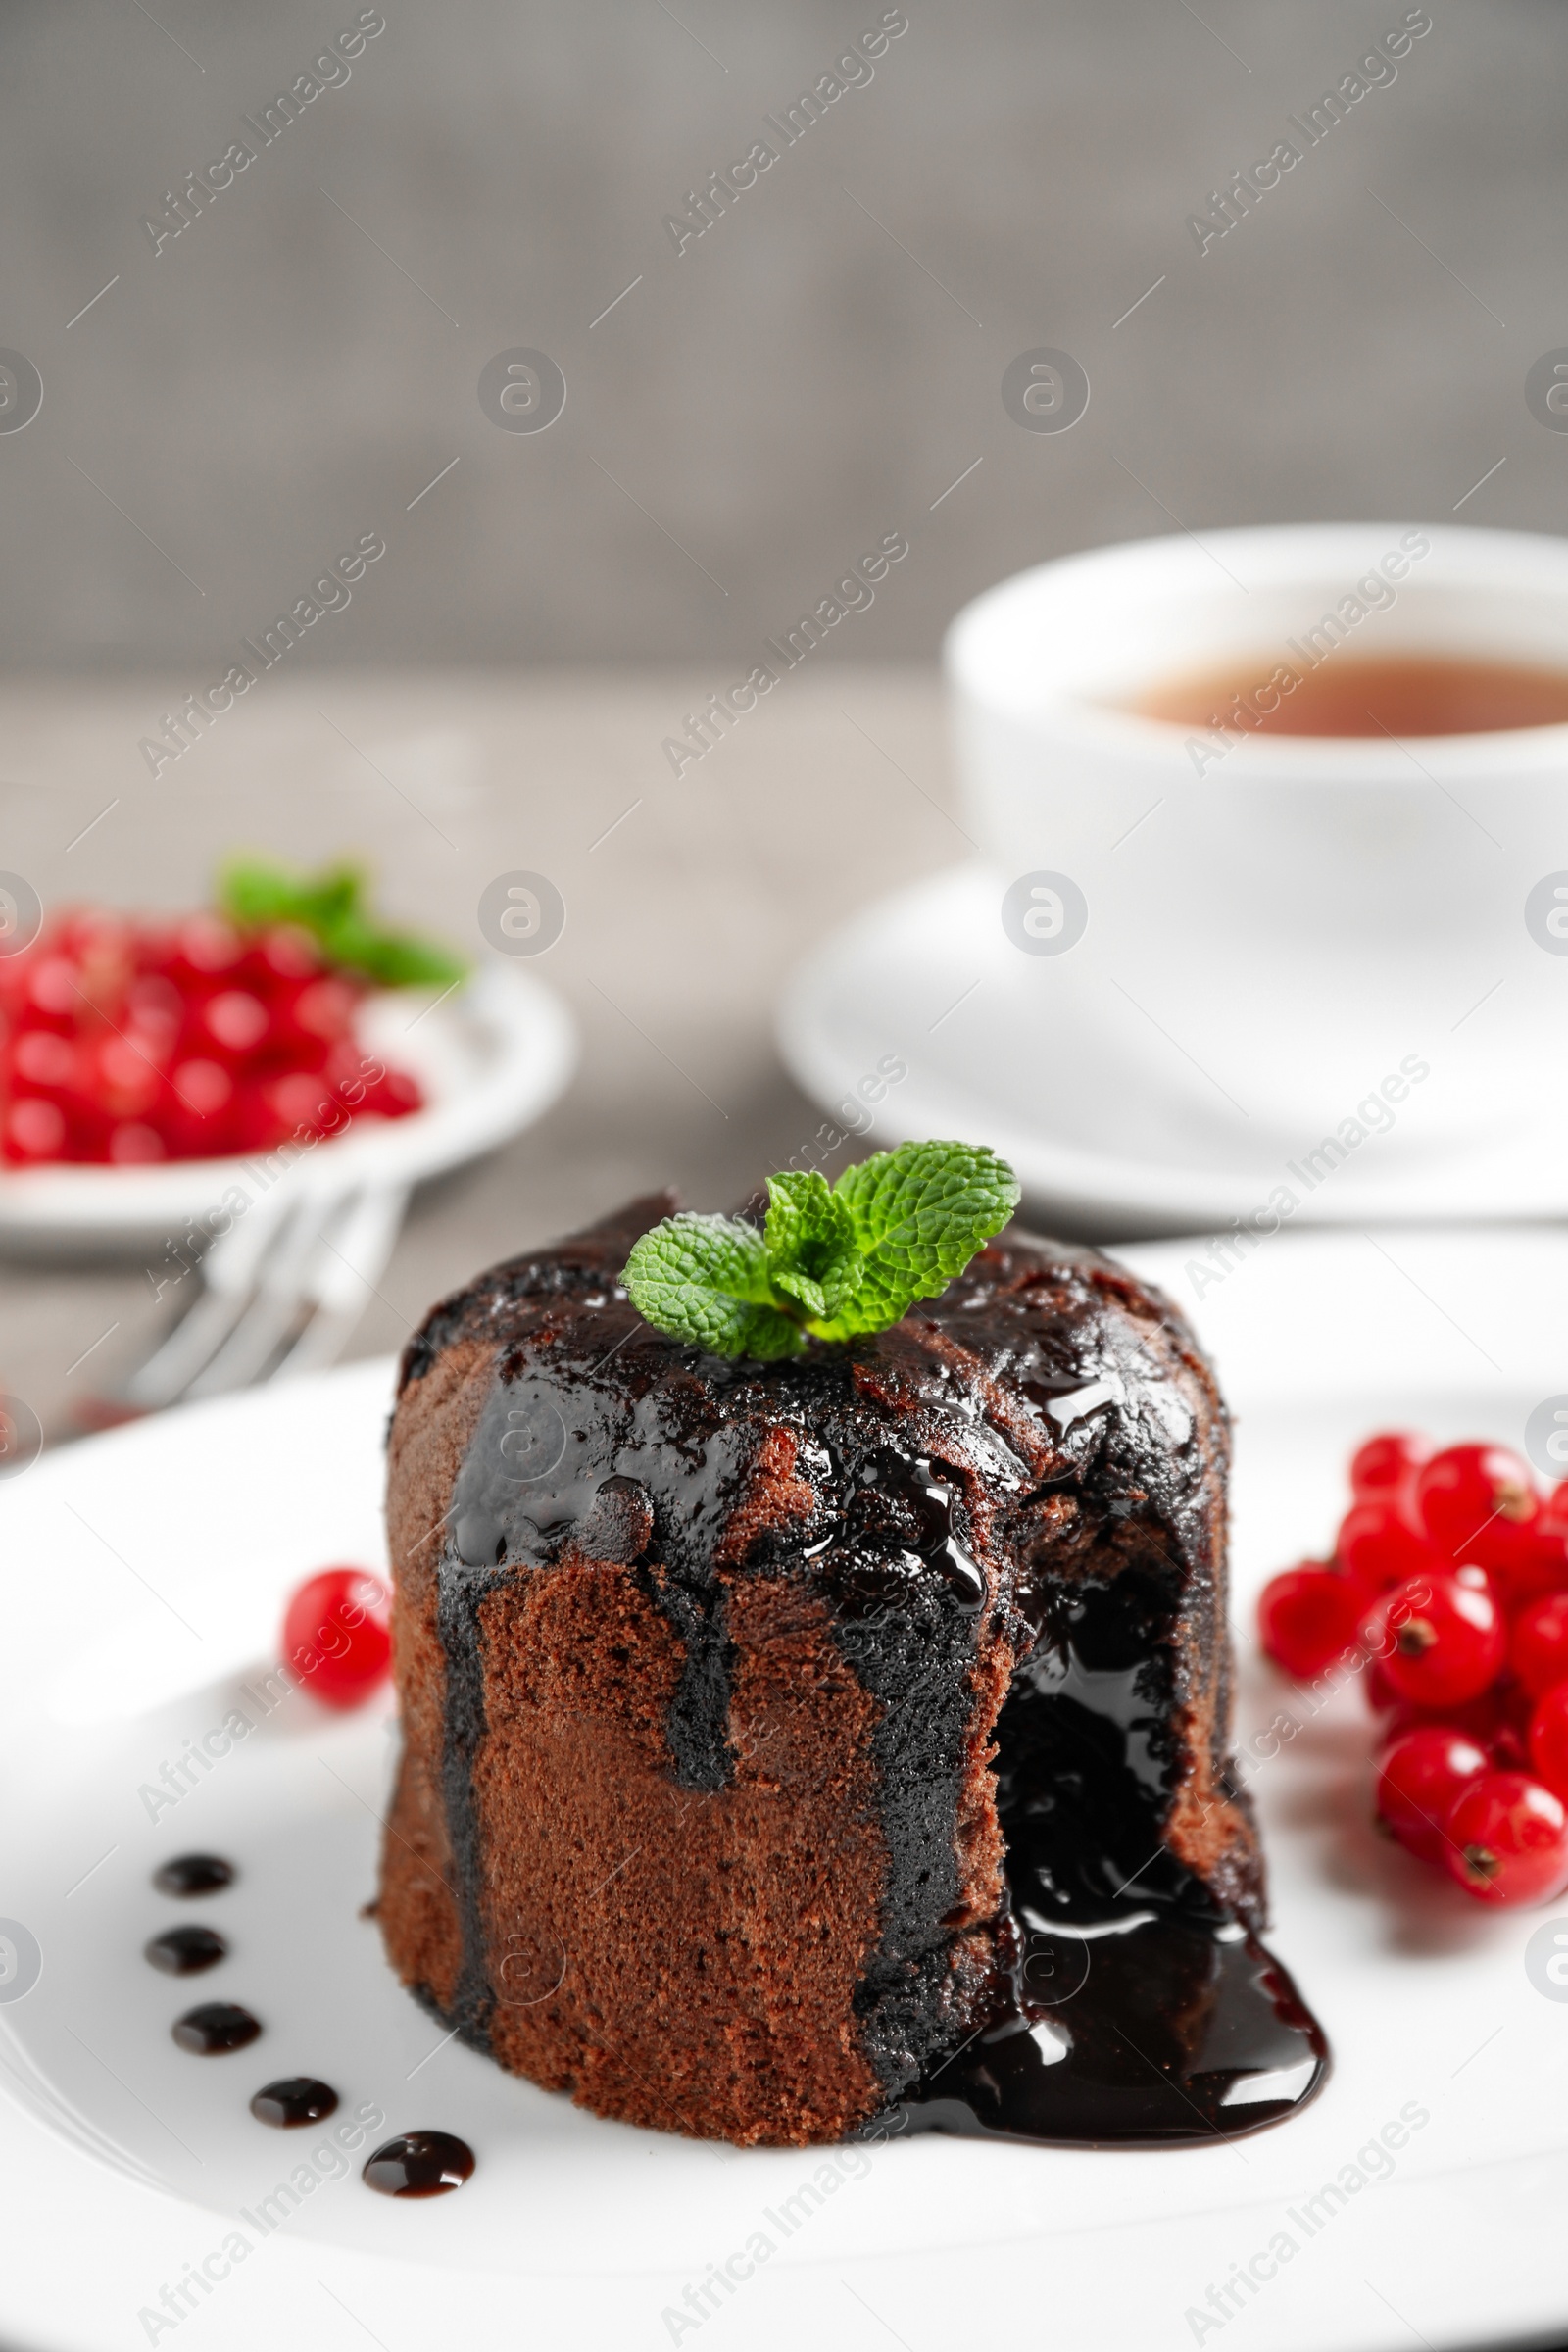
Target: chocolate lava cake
803, 1747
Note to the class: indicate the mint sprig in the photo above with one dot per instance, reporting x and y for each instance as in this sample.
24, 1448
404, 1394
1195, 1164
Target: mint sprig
833, 1261
333, 907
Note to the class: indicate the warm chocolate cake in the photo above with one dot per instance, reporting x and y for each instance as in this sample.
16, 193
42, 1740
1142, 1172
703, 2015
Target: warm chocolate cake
789, 1744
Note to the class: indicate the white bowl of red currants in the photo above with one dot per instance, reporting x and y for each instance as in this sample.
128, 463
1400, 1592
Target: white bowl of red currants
157, 1075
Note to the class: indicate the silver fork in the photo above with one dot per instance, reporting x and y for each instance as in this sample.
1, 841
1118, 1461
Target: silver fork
279, 1294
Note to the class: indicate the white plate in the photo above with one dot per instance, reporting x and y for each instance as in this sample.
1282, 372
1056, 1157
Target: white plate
145, 1572
491, 1058
1108, 1121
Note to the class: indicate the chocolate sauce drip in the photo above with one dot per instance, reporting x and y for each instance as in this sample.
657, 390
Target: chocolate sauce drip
184, 1951
533, 1486
1126, 2005
1168, 2031
294, 2100
1086, 1756
419, 2164
194, 1874
696, 1725
460, 1591
215, 2027
906, 1597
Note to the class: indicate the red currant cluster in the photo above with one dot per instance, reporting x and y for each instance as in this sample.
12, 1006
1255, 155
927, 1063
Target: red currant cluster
129, 1042
335, 1636
1450, 1585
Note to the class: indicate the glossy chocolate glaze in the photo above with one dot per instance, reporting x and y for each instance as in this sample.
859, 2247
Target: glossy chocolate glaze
1011, 1456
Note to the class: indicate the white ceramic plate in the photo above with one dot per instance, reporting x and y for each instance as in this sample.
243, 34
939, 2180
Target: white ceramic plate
1108, 1121
491, 1058
144, 1573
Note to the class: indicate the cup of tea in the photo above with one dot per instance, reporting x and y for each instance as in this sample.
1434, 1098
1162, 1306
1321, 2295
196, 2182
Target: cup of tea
1277, 823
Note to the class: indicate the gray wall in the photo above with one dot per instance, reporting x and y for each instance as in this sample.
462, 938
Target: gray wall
797, 382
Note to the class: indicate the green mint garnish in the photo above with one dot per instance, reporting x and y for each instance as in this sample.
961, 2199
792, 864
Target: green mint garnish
832, 1261
705, 1280
332, 907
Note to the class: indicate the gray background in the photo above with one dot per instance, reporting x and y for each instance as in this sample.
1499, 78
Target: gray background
802, 380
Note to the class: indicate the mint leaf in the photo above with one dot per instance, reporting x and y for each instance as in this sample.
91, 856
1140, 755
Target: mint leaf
252, 894
919, 1214
705, 1280
810, 1237
832, 1261
331, 906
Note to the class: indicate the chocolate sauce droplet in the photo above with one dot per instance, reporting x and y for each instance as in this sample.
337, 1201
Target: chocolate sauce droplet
419, 2164
194, 1874
215, 2026
295, 2099
183, 1951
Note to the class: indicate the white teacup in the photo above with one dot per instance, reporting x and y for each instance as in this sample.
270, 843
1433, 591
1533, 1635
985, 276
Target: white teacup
1275, 925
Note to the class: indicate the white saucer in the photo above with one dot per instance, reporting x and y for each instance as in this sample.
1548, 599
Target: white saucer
1110, 1124
491, 1058
145, 1575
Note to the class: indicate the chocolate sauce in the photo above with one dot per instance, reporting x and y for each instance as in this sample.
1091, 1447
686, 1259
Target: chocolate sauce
419, 2164
193, 1873
1127, 2004
1172, 2033
296, 2100
185, 1951
215, 2027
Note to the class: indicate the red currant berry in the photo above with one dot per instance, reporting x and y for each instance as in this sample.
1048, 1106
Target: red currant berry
1540, 1566
1538, 1645
234, 1022
335, 1634
1549, 1739
1306, 1617
134, 1144
256, 1126
153, 1002
204, 949
1378, 1548
124, 1080
324, 1010
1422, 1774
203, 1087
284, 952
1554, 1508
1380, 1695
35, 1130
1382, 1468
54, 989
1441, 1638
43, 1057
1508, 1840
393, 1095
299, 1102
1478, 1503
